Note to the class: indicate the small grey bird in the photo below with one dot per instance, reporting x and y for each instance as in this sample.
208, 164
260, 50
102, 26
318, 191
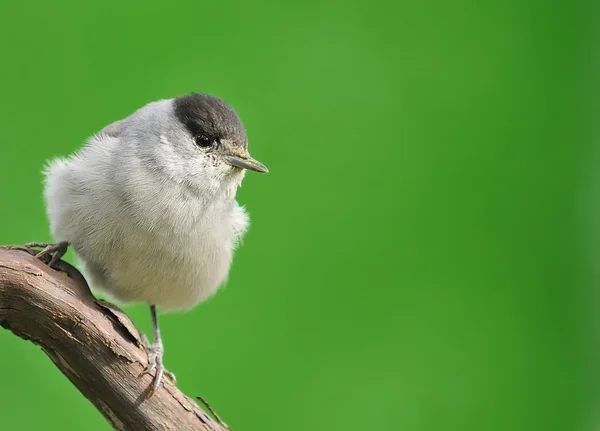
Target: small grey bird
148, 205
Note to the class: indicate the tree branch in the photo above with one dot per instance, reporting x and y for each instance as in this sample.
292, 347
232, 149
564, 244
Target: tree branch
93, 343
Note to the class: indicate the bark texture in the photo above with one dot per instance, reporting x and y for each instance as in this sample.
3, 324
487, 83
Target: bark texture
93, 343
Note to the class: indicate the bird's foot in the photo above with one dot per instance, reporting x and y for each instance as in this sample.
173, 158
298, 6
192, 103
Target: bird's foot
54, 251
155, 363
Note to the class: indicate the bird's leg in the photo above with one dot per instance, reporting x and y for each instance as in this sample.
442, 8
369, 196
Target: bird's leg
55, 251
155, 356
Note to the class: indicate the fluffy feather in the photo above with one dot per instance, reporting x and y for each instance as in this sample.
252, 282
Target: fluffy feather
152, 216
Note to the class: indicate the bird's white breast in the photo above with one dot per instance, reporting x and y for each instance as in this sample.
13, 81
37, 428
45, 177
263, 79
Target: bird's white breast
142, 239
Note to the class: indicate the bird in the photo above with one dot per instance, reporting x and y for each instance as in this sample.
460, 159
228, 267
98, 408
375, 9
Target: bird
148, 204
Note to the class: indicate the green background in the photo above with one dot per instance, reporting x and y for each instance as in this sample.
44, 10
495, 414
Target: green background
422, 256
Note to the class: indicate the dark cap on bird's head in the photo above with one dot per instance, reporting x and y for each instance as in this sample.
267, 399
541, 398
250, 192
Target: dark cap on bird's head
212, 122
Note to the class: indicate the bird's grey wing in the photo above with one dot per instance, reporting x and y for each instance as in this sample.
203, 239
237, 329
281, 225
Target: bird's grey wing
114, 129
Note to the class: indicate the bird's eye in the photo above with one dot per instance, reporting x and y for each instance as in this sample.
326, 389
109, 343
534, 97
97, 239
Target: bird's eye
203, 141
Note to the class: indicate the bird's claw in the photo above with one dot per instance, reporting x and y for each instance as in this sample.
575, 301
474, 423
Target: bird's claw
155, 363
55, 251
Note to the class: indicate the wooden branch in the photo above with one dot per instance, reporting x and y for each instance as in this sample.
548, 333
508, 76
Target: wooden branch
93, 343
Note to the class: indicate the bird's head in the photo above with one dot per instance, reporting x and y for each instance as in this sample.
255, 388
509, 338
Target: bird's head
216, 131
196, 139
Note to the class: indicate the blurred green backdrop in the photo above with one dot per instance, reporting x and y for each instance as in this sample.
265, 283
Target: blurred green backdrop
421, 255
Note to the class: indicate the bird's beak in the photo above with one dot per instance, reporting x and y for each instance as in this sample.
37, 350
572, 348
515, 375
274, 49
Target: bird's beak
244, 161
